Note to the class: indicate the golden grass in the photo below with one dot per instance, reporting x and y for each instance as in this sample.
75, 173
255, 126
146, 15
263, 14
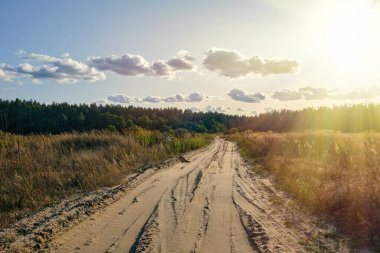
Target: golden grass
38, 170
331, 174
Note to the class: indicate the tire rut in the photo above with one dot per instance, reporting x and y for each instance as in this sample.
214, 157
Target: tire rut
256, 234
144, 241
209, 204
203, 229
196, 184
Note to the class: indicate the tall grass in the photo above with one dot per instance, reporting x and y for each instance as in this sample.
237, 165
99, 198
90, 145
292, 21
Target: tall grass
332, 174
38, 170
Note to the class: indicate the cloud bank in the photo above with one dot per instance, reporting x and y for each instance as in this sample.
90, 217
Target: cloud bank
369, 93
242, 96
306, 93
310, 93
194, 97
60, 70
136, 65
64, 69
232, 64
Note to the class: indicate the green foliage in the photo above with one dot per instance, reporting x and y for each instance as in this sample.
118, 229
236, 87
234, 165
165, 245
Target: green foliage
111, 128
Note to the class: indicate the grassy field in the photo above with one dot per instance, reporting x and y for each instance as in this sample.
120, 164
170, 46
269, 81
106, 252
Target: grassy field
331, 174
39, 170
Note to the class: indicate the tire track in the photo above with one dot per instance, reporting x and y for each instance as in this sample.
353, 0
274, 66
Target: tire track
256, 234
208, 204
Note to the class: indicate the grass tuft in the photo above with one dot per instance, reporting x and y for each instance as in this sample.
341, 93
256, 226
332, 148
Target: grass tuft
39, 170
331, 174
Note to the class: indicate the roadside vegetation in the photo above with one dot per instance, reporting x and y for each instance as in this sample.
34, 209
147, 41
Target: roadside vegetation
335, 175
39, 170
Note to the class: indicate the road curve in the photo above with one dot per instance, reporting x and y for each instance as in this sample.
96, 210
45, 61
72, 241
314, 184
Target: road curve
207, 205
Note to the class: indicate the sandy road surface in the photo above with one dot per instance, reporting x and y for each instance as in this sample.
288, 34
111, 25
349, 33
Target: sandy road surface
207, 205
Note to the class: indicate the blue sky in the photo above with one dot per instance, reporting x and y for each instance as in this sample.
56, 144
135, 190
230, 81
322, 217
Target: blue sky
298, 44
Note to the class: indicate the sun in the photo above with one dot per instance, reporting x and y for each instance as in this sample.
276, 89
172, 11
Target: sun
349, 34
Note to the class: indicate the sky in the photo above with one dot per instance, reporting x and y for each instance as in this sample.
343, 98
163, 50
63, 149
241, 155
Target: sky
237, 57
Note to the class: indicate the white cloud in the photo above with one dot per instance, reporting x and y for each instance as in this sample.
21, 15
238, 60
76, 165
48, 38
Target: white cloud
119, 98
38, 57
101, 102
176, 98
66, 55
128, 65
136, 65
183, 61
307, 93
218, 109
242, 96
161, 68
152, 99
6, 73
310, 93
231, 64
3, 76
287, 95
195, 97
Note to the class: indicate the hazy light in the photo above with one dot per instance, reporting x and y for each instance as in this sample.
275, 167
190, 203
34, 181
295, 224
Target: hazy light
349, 35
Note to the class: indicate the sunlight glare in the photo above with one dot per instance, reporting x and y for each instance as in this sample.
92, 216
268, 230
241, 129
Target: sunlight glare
349, 35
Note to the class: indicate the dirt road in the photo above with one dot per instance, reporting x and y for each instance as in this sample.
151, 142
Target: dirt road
209, 204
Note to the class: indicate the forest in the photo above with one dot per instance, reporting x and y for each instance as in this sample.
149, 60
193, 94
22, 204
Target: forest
28, 117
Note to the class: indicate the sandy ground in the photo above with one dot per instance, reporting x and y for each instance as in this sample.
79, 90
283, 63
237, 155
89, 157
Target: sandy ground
212, 203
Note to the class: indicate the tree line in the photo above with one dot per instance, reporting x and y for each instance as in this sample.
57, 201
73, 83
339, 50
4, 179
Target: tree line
26, 117
347, 119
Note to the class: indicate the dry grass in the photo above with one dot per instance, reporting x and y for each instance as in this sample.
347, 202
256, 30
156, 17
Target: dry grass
39, 170
331, 174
